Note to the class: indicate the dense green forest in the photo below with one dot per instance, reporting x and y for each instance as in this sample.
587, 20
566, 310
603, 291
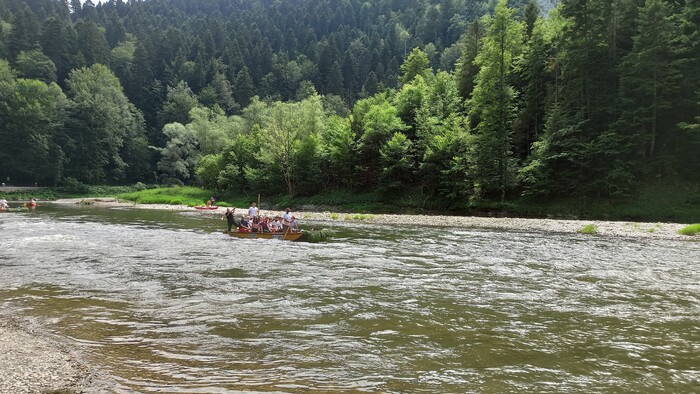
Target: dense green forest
455, 100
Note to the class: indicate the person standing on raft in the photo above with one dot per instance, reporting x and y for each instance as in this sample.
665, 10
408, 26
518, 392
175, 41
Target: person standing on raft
231, 221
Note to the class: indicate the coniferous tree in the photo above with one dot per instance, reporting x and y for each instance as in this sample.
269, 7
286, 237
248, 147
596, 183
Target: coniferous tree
688, 106
24, 35
650, 82
91, 43
493, 103
334, 80
587, 86
243, 87
535, 77
532, 13
466, 69
56, 44
179, 101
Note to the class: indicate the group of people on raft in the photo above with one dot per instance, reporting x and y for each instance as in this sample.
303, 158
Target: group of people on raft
254, 223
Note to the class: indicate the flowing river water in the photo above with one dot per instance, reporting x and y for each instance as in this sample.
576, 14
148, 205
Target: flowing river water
163, 301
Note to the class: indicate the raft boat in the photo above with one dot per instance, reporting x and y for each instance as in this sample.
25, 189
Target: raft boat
280, 235
206, 208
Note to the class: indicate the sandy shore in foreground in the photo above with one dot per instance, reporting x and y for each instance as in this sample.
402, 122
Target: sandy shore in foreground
604, 228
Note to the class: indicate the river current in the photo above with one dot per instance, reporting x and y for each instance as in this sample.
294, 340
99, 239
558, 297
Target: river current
163, 301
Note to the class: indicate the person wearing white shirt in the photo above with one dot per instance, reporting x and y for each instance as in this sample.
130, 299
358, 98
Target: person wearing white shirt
253, 211
286, 218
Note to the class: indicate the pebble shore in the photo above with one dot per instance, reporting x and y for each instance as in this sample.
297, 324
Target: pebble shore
34, 361
603, 228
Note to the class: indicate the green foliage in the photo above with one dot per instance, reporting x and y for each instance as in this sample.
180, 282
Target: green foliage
32, 113
321, 235
73, 186
397, 164
212, 129
190, 196
35, 65
179, 155
338, 142
466, 69
692, 229
493, 103
588, 229
286, 136
378, 124
416, 64
177, 106
584, 103
650, 79
208, 169
101, 122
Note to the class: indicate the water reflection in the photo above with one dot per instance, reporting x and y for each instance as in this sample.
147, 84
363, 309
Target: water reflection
166, 303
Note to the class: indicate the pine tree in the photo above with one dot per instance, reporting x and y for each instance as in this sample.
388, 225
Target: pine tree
532, 13
584, 93
650, 81
466, 69
243, 87
55, 43
493, 102
24, 35
535, 77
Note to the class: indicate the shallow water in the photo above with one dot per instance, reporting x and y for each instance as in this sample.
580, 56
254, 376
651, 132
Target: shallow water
162, 301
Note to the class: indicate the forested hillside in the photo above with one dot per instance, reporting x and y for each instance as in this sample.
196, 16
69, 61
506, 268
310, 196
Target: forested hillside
457, 100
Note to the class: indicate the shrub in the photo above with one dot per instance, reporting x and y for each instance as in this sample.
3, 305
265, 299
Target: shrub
589, 229
73, 186
319, 235
690, 230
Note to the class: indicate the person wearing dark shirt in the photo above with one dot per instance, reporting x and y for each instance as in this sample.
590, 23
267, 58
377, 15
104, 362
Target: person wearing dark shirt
230, 219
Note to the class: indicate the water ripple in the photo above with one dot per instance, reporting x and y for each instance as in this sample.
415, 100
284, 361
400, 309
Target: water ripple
164, 302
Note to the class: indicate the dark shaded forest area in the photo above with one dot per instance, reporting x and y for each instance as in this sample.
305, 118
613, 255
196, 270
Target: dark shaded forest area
456, 100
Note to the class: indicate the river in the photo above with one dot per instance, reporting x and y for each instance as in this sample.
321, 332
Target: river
163, 301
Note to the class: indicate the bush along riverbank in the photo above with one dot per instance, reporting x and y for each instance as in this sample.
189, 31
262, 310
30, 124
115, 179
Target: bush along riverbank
693, 229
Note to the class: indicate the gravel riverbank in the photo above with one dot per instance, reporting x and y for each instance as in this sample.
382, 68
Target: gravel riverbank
34, 361
603, 228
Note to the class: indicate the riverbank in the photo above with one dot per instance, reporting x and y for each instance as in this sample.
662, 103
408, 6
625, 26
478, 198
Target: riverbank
602, 228
35, 361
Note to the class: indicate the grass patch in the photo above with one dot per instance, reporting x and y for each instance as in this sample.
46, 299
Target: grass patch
693, 229
184, 195
589, 229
